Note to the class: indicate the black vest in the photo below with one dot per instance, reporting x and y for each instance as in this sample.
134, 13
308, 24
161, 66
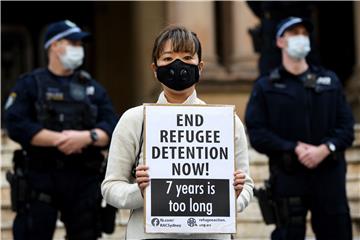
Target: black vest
64, 106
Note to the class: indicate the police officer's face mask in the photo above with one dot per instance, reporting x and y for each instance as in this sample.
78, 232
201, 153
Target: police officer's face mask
298, 46
178, 75
72, 57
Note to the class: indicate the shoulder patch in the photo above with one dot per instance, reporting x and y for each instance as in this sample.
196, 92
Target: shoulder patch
10, 101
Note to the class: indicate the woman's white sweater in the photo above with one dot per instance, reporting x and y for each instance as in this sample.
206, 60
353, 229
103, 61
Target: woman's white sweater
120, 189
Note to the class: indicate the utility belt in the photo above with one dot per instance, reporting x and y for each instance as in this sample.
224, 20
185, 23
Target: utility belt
22, 194
283, 211
42, 159
280, 211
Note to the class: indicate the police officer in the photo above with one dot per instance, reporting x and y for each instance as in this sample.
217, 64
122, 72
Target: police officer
298, 116
62, 118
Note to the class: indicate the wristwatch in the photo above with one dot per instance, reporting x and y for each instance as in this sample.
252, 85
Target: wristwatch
94, 136
331, 146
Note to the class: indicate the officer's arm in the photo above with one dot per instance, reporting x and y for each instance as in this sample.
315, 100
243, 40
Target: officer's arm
103, 139
46, 138
107, 118
342, 135
20, 113
256, 118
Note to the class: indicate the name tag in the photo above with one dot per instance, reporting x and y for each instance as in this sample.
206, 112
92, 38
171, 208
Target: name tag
324, 80
280, 85
90, 90
54, 94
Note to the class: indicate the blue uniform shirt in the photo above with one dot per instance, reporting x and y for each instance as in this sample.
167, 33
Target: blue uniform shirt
284, 109
20, 112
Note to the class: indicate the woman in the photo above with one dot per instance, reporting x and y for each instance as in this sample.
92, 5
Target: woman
175, 49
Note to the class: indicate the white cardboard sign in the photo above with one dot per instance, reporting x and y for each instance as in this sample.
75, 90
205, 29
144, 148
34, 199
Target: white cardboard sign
190, 153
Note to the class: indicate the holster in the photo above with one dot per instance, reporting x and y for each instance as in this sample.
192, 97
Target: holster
279, 211
266, 203
19, 188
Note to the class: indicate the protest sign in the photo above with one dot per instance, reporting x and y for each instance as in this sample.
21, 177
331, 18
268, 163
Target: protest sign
190, 153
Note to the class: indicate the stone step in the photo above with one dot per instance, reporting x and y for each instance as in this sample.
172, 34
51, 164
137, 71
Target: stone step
7, 144
5, 197
6, 160
353, 154
357, 135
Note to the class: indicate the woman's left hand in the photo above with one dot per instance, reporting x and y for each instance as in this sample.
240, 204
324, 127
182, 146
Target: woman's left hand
239, 180
142, 177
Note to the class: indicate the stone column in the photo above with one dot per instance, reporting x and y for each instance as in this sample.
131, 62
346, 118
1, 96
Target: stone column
148, 20
243, 59
353, 85
198, 17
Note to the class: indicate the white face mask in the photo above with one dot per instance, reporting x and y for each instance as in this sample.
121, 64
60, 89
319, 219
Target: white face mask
298, 46
72, 57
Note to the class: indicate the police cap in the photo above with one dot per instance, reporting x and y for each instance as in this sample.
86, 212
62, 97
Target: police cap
292, 22
63, 29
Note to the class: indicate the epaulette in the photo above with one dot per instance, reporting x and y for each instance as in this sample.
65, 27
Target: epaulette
274, 75
321, 72
83, 76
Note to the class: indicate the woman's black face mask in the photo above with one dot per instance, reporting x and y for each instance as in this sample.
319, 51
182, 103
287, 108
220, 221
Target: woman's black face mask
178, 75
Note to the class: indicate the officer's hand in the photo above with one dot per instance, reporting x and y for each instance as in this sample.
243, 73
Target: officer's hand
301, 148
73, 142
314, 155
239, 181
142, 177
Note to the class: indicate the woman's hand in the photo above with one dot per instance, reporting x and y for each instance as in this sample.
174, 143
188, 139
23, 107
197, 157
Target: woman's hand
142, 177
239, 180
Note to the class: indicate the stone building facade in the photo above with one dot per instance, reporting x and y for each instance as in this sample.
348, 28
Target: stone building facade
119, 56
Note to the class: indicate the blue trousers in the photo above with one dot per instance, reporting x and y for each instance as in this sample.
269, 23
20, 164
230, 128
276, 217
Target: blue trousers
75, 195
322, 192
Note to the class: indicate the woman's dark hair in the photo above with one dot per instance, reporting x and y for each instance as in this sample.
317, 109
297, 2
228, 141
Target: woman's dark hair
182, 40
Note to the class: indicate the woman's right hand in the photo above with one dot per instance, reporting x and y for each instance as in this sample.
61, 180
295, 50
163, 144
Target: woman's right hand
142, 177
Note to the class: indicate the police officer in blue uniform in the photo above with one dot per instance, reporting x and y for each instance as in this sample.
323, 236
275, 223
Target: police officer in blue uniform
63, 119
298, 116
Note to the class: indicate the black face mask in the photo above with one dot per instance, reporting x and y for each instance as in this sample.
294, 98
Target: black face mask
178, 75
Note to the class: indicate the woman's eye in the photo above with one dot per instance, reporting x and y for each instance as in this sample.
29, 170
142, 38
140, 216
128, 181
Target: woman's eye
167, 59
188, 57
